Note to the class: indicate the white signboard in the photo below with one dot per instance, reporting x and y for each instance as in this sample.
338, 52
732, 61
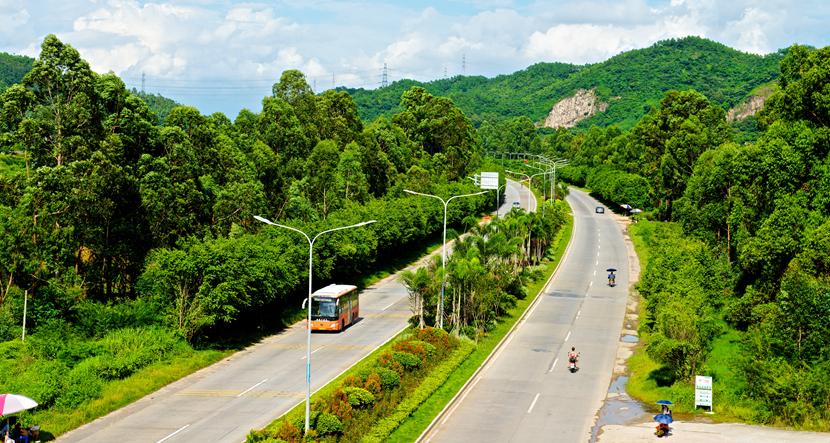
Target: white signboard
703, 391
489, 180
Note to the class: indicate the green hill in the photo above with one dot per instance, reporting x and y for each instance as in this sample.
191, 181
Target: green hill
13, 68
630, 82
162, 106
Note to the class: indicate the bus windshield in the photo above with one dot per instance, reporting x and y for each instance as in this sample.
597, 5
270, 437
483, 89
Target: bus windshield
323, 307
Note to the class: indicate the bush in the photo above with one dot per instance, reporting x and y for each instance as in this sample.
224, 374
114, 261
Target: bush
389, 379
358, 396
80, 384
322, 422
407, 360
427, 348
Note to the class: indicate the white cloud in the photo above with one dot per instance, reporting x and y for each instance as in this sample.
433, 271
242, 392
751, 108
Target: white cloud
185, 42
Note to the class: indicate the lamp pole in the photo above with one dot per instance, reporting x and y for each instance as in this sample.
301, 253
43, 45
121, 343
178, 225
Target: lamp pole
308, 324
443, 246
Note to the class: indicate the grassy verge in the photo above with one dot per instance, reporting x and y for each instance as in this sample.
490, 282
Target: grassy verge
120, 393
650, 381
410, 430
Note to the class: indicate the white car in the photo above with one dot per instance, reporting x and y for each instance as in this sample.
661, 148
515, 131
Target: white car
517, 205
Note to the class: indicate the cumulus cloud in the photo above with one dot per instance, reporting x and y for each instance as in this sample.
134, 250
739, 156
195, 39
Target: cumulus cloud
190, 49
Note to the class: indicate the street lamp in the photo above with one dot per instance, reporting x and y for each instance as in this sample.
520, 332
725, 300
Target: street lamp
308, 325
443, 247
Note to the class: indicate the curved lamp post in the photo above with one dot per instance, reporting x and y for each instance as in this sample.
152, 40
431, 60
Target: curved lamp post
443, 246
308, 325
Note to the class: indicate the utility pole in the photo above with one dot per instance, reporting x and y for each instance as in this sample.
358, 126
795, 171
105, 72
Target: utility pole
384, 84
142, 81
463, 64
315, 85
332, 80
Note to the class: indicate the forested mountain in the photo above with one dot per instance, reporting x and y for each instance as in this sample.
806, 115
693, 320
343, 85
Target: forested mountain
13, 68
161, 106
631, 82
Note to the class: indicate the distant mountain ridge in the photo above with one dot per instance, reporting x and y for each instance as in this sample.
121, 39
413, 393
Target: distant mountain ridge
630, 83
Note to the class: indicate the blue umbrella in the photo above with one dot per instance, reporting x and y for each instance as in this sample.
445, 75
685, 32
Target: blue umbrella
665, 402
663, 418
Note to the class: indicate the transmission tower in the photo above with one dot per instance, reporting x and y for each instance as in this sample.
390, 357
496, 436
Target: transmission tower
332, 80
315, 85
142, 81
464, 64
445, 73
383, 84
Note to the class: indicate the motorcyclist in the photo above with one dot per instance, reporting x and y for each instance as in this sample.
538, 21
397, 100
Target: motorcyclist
574, 357
612, 278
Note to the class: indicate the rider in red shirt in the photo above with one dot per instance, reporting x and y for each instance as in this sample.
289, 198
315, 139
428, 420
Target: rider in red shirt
574, 357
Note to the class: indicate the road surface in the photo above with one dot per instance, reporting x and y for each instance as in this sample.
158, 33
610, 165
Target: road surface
516, 192
249, 390
527, 393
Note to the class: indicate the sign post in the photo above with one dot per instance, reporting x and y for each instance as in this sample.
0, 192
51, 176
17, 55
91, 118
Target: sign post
703, 392
490, 180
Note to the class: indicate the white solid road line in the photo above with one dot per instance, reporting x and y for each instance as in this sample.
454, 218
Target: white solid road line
252, 387
180, 430
388, 307
533, 404
311, 353
553, 365
569, 336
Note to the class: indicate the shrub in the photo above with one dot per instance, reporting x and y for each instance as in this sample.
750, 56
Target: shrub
80, 384
407, 360
426, 349
389, 379
358, 396
353, 381
322, 422
373, 384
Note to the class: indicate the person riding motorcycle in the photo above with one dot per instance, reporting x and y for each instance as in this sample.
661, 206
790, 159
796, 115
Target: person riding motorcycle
573, 357
612, 279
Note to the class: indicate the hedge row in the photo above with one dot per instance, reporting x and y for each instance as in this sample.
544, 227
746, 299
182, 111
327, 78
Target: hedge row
406, 408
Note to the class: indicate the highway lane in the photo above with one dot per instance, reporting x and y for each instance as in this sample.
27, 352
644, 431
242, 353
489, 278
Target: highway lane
527, 393
252, 388
517, 192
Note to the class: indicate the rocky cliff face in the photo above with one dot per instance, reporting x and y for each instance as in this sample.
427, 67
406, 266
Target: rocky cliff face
748, 108
572, 110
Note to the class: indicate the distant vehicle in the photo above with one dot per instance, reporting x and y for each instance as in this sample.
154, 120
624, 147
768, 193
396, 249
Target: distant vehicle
334, 307
600, 210
517, 205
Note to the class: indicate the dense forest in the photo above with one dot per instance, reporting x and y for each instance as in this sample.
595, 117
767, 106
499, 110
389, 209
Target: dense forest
13, 68
161, 106
631, 82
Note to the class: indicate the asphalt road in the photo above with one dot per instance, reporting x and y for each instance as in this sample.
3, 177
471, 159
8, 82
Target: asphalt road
516, 192
249, 390
527, 393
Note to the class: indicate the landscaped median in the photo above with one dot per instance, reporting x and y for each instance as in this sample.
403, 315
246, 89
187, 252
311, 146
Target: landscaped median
371, 399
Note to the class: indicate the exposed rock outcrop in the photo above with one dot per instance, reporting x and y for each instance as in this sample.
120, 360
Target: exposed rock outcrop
572, 110
748, 108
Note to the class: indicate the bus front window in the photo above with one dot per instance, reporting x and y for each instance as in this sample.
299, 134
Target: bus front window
323, 307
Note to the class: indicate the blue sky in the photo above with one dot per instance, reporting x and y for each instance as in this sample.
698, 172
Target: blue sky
224, 55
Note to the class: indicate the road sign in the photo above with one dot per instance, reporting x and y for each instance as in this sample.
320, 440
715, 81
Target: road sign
703, 391
489, 180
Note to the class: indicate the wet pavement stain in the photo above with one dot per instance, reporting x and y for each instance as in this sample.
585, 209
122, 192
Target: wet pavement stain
618, 408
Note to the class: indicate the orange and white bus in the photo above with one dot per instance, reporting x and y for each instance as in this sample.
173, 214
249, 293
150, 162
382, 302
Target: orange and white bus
334, 307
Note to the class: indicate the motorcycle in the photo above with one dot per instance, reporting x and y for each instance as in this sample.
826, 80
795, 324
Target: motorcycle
612, 280
572, 363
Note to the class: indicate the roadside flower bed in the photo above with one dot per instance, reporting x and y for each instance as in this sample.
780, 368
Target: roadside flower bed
373, 401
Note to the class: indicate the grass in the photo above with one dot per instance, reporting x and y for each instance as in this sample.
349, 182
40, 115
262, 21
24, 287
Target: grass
410, 430
120, 393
